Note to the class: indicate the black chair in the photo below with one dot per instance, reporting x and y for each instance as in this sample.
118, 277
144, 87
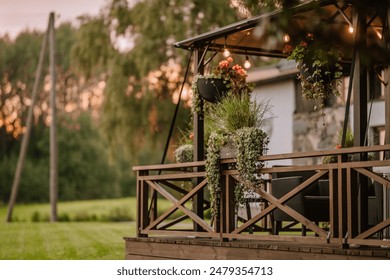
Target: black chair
280, 187
311, 190
317, 206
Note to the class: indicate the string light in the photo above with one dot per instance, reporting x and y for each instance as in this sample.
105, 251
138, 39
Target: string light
247, 63
286, 38
226, 52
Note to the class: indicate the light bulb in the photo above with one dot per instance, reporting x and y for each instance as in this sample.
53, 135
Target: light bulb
226, 52
350, 29
247, 63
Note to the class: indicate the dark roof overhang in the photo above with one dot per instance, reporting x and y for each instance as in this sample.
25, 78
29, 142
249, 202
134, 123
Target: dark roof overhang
264, 35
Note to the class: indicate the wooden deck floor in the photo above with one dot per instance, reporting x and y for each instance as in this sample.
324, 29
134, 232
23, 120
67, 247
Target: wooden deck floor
207, 249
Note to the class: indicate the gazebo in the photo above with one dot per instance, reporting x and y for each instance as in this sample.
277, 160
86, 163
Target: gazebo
362, 30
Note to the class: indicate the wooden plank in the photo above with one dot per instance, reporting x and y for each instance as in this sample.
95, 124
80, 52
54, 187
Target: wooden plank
178, 233
370, 242
143, 206
323, 153
164, 177
294, 155
254, 250
374, 176
341, 198
280, 238
168, 166
375, 229
349, 201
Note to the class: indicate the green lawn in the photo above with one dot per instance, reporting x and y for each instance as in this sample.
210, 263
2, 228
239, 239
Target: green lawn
26, 240
64, 241
89, 210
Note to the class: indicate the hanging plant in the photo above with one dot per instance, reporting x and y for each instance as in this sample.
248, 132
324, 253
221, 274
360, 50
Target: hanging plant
237, 121
224, 79
250, 142
319, 66
213, 170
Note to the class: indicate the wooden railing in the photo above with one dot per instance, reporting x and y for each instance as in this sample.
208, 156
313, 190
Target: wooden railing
173, 200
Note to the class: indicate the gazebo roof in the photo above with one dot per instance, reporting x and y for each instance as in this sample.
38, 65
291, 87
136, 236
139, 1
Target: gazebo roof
264, 35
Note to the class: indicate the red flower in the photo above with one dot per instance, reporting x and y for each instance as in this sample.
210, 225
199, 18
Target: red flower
288, 49
303, 44
224, 64
240, 71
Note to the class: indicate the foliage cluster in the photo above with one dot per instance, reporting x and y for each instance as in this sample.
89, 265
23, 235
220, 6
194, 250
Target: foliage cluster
139, 84
184, 153
83, 165
320, 68
237, 120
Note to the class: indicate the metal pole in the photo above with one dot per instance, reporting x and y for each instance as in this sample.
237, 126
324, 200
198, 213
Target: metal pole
26, 137
198, 141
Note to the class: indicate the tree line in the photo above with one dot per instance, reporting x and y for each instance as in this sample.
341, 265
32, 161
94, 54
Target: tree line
114, 103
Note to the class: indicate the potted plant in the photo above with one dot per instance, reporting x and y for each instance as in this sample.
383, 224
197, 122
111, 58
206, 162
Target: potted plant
236, 121
319, 66
185, 150
184, 153
225, 78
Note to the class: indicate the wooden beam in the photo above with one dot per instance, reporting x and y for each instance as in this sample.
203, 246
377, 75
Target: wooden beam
360, 92
387, 87
53, 125
26, 137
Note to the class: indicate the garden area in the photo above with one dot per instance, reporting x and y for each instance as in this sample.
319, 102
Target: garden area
87, 230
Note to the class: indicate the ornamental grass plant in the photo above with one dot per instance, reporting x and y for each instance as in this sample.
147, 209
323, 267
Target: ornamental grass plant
238, 121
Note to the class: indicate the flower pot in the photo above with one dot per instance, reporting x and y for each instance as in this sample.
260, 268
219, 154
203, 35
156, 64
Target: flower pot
211, 90
228, 150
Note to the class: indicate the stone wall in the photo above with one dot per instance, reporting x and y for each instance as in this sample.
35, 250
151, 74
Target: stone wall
313, 132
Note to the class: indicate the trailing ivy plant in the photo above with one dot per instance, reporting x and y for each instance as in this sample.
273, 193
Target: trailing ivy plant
238, 120
213, 173
250, 142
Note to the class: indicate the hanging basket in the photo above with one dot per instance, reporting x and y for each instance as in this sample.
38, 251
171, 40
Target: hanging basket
211, 89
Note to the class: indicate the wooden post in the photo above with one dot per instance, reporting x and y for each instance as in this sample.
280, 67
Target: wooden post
387, 87
359, 183
26, 137
198, 143
53, 125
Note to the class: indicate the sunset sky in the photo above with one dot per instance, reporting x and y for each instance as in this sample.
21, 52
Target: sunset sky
17, 15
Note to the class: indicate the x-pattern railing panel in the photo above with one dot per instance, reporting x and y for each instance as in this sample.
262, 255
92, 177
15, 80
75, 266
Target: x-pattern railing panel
178, 204
280, 204
341, 202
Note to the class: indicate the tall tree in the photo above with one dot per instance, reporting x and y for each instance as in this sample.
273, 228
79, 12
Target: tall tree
143, 81
18, 62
